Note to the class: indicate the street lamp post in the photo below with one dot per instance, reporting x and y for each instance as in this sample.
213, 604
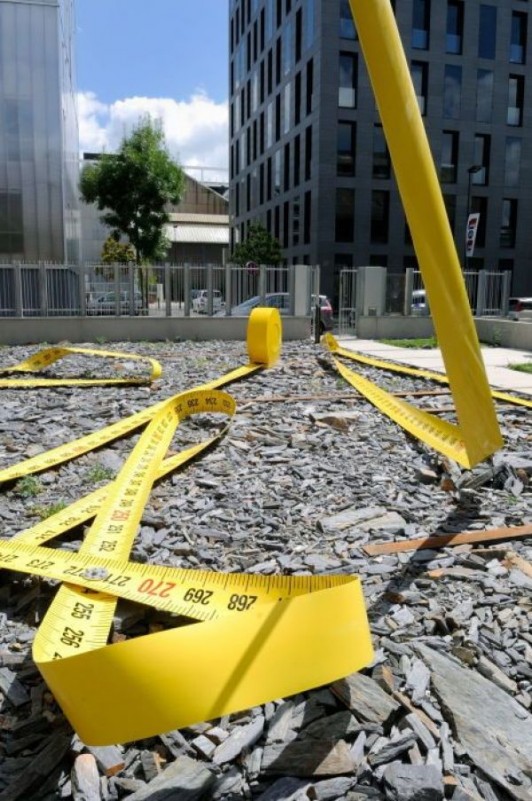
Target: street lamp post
470, 172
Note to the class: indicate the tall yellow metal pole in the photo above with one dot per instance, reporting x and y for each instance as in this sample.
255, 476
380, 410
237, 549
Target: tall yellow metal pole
429, 226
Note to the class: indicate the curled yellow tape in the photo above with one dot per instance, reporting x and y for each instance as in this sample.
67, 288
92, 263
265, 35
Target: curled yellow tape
44, 358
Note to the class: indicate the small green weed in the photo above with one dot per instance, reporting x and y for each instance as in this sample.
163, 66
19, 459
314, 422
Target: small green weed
522, 367
43, 512
424, 342
28, 487
99, 473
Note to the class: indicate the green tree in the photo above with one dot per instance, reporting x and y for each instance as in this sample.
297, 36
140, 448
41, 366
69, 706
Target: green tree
260, 247
134, 186
116, 252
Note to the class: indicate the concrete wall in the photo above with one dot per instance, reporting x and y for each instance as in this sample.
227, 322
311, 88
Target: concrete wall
505, 333
33, 330
394, 327
491, 330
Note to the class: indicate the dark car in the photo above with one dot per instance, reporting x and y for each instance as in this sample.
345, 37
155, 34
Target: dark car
281, 301
516, 307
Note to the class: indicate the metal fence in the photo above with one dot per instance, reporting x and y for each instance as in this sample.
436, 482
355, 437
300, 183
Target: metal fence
488, 292
169, 290
403, 293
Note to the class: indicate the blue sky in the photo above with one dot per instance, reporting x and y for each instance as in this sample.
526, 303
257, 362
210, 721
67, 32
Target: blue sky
168, 58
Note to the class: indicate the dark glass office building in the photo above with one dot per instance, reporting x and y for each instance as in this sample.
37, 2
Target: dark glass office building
39, 207
308, 157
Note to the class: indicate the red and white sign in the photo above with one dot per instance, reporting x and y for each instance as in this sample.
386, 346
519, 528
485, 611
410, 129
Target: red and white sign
471, 233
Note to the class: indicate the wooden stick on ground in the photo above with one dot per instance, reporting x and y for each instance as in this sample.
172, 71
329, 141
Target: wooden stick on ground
441, 540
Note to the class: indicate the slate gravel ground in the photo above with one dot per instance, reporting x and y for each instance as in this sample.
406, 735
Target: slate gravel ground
298, 486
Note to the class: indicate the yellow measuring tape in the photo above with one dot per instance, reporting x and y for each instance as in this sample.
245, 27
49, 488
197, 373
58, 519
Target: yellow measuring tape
250, 638
394, 367
441, 435
44, 358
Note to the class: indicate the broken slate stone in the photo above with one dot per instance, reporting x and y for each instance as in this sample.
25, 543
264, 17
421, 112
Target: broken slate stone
495, 731
412, 783
364, 696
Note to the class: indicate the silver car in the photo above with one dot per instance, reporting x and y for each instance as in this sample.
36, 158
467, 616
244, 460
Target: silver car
106, 303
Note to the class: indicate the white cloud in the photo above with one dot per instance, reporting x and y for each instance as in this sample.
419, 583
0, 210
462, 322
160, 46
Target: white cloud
196, 130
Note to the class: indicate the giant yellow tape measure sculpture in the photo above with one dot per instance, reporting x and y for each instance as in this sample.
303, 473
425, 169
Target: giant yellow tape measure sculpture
477, 435
254, 638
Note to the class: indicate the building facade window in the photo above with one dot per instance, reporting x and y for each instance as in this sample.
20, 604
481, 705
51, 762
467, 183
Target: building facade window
347, 86
11, 224
420, 79
308, 153
380, 216
481, 158
516, 94
381, 166
484, 106
487, 31
450, 208
346, 149
421, 24
512, 161
508, 223
308, 24
518, 38
345, 215
452, 91
347, 23
449, 157
310, 86
287, 108
455, 27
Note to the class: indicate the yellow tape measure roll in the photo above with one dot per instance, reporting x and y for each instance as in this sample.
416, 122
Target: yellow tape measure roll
264, 336
44, 358
260, 637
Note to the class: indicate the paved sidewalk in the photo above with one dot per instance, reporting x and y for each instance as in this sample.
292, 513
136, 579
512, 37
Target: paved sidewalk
495, 361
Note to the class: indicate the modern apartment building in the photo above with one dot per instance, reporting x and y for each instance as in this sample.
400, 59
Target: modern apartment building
308, 157
39, 217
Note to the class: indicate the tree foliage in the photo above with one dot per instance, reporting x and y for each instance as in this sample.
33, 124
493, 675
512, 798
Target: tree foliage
116, 252
133, 187
259, 246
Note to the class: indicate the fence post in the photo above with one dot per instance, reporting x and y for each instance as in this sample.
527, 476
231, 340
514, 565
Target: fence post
481, 293
116, 274
228, 289
131, 284
82, 292
209, 291
17, 287
168, 290
316, 310
43, 290
262, 283
409, 288
505, 292
186, 289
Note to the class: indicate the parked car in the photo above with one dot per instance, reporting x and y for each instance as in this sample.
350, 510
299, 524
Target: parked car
106, 303
199, 298
420, 304
326, 312
516, 307
281, 301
